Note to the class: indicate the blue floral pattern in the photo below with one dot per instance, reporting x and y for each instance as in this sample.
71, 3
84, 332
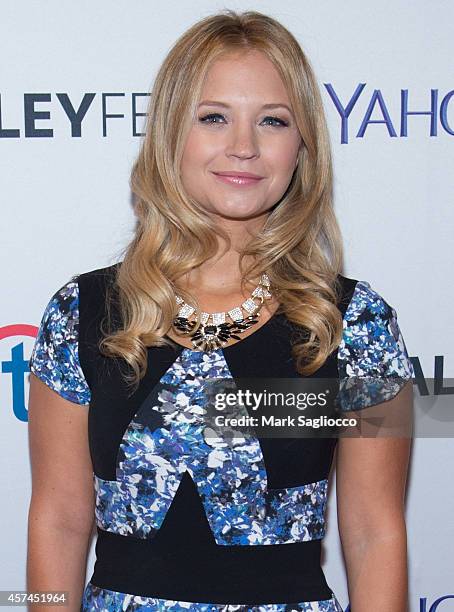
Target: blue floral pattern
168, 436
55, 354
372, 357
98, 599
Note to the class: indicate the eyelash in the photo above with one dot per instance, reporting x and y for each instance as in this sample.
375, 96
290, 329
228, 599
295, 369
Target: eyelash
282, 122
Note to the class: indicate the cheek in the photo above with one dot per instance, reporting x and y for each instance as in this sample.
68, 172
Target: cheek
198, 151
282, 162
196, 158
189, 158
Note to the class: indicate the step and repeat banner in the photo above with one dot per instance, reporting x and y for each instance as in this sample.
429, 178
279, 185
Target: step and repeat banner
385, 73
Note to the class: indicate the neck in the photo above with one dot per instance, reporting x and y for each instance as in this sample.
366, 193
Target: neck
221, 273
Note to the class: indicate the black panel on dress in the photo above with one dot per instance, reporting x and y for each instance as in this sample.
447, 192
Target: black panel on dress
111, 410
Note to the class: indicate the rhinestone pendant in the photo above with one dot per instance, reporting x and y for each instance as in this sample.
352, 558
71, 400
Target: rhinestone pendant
211, 337
214, 331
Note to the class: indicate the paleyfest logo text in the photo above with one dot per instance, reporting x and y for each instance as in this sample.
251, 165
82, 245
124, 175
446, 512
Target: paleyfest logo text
373, 108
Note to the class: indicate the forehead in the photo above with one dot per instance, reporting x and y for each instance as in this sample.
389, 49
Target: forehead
244, 76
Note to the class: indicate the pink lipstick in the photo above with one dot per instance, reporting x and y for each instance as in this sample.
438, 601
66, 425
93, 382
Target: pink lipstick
238, 178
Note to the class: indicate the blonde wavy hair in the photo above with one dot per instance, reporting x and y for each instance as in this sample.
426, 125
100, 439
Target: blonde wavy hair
300, 244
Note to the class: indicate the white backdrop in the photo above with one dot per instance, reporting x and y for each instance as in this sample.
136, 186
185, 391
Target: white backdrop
66, 205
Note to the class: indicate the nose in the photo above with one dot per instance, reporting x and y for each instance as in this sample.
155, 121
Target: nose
242, 141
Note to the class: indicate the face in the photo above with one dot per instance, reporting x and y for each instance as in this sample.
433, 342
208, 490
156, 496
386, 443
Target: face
244, 124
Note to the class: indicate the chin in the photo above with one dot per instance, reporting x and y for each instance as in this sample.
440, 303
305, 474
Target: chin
238, 211
238, 214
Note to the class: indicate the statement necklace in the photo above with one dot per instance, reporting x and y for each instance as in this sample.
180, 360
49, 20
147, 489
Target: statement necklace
215, 331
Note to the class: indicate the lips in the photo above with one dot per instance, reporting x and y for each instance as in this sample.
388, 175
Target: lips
242, 174
238, 178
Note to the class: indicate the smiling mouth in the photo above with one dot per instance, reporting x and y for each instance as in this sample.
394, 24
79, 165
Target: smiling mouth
238, 179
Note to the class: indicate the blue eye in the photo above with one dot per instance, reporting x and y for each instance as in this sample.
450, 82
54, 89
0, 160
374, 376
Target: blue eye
281, 122
206, 118
212, 116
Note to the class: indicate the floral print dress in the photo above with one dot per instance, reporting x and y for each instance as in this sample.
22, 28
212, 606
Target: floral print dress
189, 520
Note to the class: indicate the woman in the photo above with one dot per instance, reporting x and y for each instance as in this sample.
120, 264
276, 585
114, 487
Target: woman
234, 271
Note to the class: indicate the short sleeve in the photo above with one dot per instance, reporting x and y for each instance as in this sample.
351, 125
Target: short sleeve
55, 354
373, 361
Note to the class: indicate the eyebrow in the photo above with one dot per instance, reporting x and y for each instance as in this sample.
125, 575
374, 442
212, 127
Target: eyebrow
223, 105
